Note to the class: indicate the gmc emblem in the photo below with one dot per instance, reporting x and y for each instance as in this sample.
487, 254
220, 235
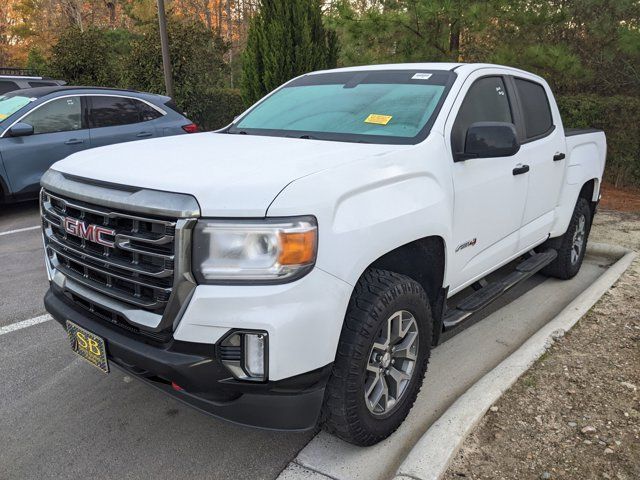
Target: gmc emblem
93, 233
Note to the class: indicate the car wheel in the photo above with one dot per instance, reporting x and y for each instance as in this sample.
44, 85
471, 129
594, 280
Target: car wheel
573, 244
382, 357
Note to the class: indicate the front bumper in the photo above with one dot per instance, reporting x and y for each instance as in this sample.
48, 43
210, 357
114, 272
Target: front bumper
290, 404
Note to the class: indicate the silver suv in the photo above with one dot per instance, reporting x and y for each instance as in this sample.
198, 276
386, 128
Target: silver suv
18, 79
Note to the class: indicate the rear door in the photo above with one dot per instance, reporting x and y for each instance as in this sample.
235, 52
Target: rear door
58, 132
543, 148
489, 195
116, 119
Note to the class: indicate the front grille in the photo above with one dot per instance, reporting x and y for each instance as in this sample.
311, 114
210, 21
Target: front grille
131, 260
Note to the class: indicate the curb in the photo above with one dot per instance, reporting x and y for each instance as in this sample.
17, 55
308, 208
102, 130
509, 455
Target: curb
431, 455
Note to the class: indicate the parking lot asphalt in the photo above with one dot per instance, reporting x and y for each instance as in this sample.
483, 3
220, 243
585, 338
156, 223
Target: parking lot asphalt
62, 418
23, 281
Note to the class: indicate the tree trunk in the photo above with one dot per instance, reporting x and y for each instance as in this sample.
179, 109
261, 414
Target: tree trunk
454, 40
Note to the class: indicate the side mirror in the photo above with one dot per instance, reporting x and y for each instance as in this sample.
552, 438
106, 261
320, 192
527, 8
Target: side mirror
490, 139
21, 129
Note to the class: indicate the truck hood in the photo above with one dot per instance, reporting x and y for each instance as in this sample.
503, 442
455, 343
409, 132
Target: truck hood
229, 175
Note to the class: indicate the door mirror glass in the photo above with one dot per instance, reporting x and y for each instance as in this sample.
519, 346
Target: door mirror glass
490, 139
21, 129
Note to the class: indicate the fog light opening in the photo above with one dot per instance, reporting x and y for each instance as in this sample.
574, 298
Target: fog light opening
245, 354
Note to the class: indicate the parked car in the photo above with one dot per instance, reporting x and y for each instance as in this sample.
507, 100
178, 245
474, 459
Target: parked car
296, 267
17, 79
40, 126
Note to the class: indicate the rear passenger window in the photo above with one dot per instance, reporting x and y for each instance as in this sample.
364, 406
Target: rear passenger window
113, 111
7, 86
535, 108
486, 101
147, 112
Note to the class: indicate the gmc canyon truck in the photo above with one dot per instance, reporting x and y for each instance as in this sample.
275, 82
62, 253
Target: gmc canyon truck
294, 268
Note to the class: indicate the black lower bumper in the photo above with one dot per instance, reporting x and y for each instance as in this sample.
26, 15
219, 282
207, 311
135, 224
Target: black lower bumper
206, 384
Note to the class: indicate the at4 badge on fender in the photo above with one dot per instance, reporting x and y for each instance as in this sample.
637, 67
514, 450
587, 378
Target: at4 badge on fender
469, 243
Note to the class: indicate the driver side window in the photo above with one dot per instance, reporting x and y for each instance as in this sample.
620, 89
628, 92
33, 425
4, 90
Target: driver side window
486, 101
60, 115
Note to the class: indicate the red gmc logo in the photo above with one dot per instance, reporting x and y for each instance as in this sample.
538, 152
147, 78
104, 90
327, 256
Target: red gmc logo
93, 233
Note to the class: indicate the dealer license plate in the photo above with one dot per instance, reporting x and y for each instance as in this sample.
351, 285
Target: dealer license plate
88, 345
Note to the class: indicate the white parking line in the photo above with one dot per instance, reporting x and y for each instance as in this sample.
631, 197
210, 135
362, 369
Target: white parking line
24, 324
26, 229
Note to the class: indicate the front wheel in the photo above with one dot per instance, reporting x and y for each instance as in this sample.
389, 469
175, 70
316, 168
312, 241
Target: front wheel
573, 244
381, 360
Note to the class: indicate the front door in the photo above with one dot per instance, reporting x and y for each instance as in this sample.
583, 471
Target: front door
58, 132
489, 193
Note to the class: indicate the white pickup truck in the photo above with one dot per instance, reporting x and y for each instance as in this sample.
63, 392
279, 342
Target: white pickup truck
294, 268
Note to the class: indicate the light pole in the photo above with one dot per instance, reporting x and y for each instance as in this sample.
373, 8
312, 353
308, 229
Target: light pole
164, 42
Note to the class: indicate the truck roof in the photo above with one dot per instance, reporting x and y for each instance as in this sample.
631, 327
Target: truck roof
443, 66
399, 66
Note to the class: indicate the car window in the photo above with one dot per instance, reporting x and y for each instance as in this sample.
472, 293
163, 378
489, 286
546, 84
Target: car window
486, 101
59, 115
42, 84
7, 86
390, 106
147, 112
535, 108
108, 111
10, 105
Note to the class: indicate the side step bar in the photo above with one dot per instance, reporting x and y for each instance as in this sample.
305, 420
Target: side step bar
491, 291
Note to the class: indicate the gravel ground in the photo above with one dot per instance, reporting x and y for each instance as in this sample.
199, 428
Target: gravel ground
576, 413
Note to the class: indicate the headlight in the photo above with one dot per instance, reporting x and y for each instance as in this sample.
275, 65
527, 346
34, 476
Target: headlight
262, 251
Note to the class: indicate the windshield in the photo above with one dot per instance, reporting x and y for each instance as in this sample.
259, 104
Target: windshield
10, 105
367, 106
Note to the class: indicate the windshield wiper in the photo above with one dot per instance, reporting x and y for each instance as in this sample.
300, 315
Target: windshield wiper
304, 136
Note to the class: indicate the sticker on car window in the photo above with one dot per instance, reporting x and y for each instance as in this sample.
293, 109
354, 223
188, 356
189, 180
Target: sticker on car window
378, 119
421, 76
2, 116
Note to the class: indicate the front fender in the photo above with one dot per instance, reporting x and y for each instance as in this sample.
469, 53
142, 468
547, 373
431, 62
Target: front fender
370, 207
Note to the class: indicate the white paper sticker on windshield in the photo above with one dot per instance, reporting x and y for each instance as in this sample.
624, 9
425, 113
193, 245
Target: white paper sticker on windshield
421, 76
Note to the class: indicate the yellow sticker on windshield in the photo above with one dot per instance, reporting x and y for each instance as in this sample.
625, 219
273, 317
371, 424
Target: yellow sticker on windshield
3, 116
378, 119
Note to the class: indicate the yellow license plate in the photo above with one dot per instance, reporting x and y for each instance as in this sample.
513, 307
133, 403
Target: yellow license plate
88, 346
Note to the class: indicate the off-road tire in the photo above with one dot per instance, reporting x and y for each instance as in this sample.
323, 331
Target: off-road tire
563, 267
377, 295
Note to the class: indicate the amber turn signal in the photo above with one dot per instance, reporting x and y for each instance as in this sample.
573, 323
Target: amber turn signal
297, 248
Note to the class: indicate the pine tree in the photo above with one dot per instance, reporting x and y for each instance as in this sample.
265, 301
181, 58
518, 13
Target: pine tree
286, 38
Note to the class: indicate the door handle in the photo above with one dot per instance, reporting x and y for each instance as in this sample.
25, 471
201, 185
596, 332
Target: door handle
520, 169
144, 134
74, 141
559, 156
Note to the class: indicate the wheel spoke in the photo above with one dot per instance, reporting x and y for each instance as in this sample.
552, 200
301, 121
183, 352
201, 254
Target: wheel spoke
397, 379
371, 383
405, 348
379, 393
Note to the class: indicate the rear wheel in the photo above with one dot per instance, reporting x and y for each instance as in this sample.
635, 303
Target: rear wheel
573, 244
381, 360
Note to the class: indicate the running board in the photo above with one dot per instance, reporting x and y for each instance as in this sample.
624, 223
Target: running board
491, 291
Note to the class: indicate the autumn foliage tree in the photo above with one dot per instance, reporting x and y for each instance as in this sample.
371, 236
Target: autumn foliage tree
286, 38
